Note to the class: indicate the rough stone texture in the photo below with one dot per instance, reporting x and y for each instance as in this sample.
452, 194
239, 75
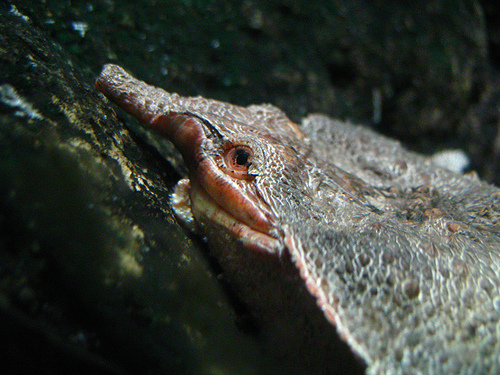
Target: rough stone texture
96, 276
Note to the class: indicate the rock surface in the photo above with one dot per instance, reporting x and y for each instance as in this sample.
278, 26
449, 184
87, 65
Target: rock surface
93, 266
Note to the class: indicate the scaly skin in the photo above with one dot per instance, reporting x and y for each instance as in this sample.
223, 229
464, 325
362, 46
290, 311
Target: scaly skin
401, 256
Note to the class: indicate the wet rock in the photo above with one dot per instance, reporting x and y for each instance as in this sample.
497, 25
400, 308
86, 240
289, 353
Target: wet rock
94, 267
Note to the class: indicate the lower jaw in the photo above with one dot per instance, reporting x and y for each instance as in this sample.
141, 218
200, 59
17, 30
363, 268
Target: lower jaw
206, 210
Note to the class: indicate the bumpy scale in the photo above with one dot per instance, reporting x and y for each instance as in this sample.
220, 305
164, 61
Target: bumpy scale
400, 255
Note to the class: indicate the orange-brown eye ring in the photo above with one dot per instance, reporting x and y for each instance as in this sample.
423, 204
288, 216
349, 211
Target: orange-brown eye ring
238, 159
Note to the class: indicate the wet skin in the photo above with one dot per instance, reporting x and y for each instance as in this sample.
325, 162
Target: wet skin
341, 226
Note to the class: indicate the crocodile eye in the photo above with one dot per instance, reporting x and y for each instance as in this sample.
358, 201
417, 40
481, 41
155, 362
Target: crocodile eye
238, 159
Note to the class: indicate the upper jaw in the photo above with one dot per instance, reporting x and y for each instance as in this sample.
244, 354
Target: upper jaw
205, 209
